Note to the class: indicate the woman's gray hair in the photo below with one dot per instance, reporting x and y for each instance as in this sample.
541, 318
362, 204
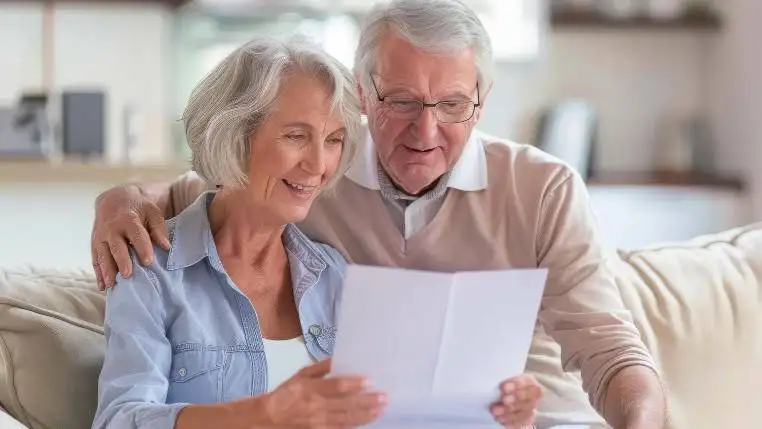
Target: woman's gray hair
435, 26
236, 97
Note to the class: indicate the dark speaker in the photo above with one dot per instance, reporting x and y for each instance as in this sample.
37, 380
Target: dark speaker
83, 125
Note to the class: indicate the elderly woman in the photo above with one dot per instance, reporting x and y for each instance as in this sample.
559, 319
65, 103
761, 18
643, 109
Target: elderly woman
224, 329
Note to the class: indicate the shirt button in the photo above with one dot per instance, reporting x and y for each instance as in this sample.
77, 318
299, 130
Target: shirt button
316, 330
181, 372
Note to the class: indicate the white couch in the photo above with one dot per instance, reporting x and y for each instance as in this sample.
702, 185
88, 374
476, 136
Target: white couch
697, 304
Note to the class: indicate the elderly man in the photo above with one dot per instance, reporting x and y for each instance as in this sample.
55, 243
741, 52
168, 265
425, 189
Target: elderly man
428, 191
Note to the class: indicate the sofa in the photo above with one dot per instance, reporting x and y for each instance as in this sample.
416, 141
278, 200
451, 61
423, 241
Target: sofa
697, 304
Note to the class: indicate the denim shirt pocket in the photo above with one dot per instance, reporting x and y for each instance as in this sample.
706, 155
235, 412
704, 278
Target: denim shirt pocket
195, 375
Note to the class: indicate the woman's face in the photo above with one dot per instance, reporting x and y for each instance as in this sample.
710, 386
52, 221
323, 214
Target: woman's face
296, 150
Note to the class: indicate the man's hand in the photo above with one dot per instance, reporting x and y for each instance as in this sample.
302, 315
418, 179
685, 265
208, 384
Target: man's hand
123, 217
519, 398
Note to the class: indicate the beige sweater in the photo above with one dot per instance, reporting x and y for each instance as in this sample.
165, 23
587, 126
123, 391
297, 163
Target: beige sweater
535, 212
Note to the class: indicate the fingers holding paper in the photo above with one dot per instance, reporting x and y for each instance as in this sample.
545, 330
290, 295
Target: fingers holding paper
311, 400
519, 398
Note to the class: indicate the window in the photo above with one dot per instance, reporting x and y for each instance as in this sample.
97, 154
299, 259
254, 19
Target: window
514, 27
339, 36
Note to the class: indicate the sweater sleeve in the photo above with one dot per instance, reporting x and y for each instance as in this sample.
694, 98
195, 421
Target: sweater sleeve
185, 190
582, 309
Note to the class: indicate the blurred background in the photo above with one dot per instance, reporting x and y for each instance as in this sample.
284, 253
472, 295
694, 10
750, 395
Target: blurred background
656, 103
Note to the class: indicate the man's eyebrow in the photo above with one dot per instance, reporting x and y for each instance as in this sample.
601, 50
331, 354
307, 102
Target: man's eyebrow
454, 95
393, 90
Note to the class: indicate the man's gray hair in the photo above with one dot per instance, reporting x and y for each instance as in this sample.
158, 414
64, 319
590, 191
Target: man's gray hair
236, 97
435, 26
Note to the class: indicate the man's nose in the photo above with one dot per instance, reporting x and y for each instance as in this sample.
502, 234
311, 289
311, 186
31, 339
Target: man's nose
427, 125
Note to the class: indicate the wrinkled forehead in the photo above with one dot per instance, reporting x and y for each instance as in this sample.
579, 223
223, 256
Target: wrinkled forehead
400, 63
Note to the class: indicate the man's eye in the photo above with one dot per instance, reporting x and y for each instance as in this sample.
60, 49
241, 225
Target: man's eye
295, 136
403, 105
454, 106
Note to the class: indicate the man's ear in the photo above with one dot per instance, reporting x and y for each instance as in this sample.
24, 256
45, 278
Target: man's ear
363, 109
482, 102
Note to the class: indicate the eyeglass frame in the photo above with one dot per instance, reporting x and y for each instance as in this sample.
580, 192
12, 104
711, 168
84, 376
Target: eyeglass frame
424, 105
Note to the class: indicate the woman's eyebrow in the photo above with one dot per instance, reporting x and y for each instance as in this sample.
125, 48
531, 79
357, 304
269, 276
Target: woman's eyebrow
299, 124
342, 130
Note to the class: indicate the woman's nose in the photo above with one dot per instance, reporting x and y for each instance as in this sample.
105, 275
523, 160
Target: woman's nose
314, 162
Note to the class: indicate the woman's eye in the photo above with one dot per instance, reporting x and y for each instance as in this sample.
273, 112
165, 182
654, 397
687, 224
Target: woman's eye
295, 136
336, 140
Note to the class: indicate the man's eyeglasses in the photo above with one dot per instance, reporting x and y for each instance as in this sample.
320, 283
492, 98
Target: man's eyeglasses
448, 112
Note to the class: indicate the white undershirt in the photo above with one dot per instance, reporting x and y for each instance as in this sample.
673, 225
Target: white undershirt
284, 359
412, 219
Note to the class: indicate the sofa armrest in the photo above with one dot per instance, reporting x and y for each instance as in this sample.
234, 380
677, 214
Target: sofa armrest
8, 422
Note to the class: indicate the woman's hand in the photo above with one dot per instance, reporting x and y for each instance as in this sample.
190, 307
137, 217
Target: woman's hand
309, 400
519, 398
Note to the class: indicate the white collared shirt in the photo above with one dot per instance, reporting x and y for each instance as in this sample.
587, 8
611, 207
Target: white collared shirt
468, 174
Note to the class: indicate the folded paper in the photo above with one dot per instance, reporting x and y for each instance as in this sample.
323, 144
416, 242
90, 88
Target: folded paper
438, 344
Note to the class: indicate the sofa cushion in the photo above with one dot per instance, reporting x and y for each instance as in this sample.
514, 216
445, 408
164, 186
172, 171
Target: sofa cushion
698, 306
51, 347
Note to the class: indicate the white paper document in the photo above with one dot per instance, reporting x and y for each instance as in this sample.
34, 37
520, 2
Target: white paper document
438, 344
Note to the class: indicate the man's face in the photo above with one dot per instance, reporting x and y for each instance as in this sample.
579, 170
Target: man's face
415, 150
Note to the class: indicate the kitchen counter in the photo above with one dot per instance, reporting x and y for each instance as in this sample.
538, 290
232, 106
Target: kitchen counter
665, 179
29, 172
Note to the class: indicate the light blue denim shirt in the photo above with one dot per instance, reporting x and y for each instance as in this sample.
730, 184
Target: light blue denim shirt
180, 332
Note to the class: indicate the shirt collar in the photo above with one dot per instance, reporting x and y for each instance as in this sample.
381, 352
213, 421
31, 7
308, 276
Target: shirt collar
468, 174
191, 240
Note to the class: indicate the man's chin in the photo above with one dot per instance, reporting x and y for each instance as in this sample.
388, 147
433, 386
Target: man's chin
418, 184
415, 178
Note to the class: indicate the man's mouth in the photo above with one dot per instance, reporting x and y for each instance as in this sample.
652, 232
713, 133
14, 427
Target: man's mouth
419, 150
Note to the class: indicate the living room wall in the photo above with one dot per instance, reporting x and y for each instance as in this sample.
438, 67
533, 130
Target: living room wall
736, 93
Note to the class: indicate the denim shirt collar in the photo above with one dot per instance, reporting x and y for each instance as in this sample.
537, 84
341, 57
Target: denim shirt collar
191, 241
